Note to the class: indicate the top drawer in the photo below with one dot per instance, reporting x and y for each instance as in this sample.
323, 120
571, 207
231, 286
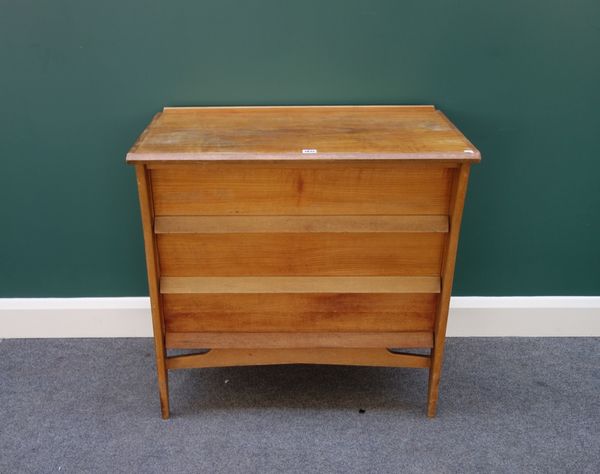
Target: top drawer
301, 188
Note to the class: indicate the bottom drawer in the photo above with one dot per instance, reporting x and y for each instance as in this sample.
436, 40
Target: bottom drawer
299, 312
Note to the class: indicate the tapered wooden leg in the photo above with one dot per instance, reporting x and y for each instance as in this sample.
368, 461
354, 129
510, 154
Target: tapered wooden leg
162, 373
163, 386
435, 372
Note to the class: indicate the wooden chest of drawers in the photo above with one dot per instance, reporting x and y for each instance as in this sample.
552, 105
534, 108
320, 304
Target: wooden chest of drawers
311, 235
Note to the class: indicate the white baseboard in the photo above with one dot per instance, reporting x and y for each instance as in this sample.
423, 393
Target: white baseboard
75, 317
539, 316
524, 316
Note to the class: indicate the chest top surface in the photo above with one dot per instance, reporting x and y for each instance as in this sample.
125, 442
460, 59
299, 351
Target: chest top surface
301, 133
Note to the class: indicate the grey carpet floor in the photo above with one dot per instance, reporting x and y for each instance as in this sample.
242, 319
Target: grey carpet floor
506, 405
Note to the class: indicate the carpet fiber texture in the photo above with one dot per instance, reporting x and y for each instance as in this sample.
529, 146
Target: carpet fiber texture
506, 405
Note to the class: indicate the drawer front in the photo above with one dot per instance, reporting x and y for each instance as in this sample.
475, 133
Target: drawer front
300, 254
298, 312
284, 188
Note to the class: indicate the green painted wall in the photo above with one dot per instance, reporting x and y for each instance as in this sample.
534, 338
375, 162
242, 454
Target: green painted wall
80, 80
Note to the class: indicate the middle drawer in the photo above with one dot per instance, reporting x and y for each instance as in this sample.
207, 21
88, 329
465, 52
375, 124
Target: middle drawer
301, 254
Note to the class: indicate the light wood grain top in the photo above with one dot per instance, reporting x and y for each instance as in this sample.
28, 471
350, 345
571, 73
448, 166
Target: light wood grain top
301, 133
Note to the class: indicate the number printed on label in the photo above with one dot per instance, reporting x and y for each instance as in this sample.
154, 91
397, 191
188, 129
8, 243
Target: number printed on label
309, 151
